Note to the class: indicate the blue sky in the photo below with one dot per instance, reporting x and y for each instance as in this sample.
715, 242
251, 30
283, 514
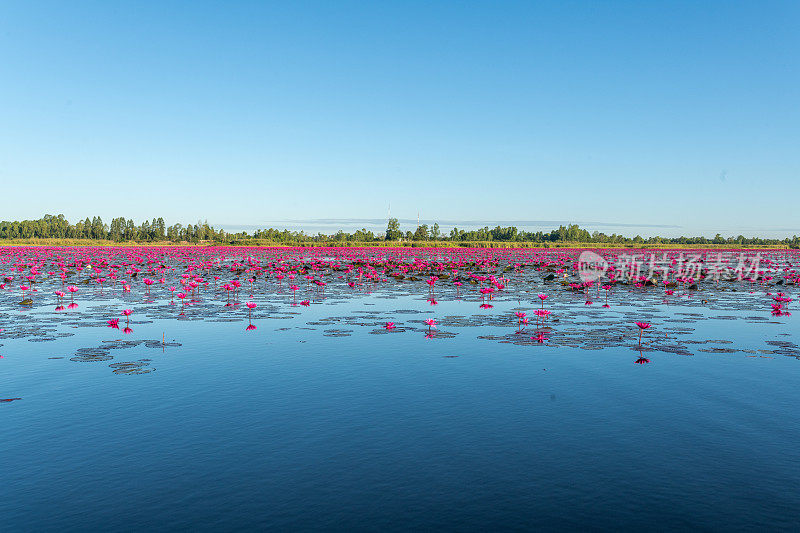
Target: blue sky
647, 113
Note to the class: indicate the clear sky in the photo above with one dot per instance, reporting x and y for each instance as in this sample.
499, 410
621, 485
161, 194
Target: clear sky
647, 113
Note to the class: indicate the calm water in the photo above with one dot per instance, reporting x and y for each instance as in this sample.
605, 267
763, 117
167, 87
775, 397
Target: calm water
320, 419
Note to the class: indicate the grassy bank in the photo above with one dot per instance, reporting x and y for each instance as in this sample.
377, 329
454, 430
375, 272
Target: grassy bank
383, 244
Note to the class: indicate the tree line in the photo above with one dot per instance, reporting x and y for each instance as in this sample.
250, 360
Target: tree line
126, 230
569, 233
119, 230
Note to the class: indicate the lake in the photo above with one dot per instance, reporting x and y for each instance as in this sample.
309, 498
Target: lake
321, 418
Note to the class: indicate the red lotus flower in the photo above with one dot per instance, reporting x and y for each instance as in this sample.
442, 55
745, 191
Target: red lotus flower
642, 326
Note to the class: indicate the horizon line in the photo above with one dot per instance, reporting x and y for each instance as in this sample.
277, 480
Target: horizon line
466, 222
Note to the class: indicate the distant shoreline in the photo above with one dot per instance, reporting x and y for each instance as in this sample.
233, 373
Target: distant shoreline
77, 243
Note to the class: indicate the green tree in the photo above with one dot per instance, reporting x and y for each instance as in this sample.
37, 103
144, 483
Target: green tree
393, 232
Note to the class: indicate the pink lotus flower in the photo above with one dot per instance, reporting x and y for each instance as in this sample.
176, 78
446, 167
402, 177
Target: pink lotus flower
389, 325
642, 326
